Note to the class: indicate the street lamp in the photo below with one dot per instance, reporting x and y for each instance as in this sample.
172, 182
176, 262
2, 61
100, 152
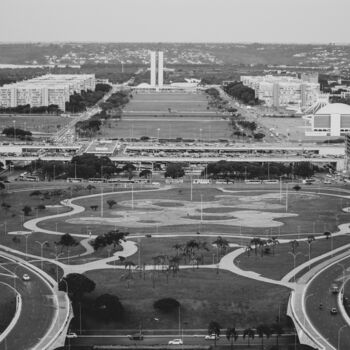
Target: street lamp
158, 133
41, 250
14, 130
339, 331
56, 255
294, 257
15, 276
200, 135
26, 237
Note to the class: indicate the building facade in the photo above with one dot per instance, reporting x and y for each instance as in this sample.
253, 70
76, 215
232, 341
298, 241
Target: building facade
283, 91
157, 69
46, 90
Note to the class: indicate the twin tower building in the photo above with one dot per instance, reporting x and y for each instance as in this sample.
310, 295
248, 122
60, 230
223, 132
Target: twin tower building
155, 69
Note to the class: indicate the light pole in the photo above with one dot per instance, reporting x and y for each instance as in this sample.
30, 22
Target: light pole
294, 257
280, 189
201, 208
200, 135
191, 184
158, 133
26, 237
41, 250
101, 200
15, 276
339, 331
286, 196
56, 255
14, 130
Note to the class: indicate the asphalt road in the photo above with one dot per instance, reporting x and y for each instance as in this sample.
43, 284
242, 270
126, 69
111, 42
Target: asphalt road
89, 340
319, 292
38, 308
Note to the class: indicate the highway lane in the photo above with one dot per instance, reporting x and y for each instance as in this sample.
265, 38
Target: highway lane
163, 340
319, 292
38, 308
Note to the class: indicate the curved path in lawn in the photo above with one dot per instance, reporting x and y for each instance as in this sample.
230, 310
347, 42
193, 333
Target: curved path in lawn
226, 263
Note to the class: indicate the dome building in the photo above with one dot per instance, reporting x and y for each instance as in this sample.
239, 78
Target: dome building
330, 120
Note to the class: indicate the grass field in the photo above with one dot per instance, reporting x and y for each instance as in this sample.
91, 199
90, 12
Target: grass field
37, 123
315, 213
177, 102
203, 295
277, 265
170, 127
7, 306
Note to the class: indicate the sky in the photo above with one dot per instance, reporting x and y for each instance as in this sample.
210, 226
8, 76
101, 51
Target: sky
283, 21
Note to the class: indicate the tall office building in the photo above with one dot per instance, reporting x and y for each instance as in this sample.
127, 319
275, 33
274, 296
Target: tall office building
153, 68
160, 68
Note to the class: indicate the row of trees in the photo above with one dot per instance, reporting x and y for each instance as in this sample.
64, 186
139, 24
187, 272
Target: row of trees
241, 170
262, 330
242, 93
19, 133
28, 109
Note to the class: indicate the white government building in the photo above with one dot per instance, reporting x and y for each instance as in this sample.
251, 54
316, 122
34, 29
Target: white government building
284, 91
331, 120
45, 90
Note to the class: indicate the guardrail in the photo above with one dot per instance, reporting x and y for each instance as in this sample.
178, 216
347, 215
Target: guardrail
340, 299
14, 320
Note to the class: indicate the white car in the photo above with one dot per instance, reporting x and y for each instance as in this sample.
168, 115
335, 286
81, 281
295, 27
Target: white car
26, 277
175, 342
71, 335
327, 182
211, 337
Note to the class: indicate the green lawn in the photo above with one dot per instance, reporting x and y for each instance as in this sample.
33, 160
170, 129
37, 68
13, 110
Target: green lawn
278, 265
315, 214
203, 295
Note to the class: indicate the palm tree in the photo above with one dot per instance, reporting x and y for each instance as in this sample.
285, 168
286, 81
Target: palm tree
222, 244
174, 262
273, 241
294, 244
262, 330
248, 249
231, 334
256, 243
248, 332
214, 328
278, 330
178, 248
128, 265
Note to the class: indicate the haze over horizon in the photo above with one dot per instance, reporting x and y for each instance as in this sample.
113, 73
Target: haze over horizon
202, 21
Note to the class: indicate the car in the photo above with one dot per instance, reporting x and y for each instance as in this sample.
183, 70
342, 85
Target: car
72, 335
26, 277
327, 182
211, 337
136, 336
175, 342
334, 311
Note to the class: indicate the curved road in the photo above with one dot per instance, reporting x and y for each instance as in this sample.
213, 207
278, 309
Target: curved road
38, 307
319, 292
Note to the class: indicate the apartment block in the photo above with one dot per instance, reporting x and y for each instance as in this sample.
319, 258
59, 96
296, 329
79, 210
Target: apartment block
46, 90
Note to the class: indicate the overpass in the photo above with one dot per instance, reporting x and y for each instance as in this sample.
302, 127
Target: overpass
339, 162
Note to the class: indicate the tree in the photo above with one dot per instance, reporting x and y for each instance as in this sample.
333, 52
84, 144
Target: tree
296, 188
93, 207
278, 330
166, 305
249, 333
262, 330
111, 203
222, 245
294, 245
67, 240
327, 234
90, 187
146, 173
27, 210
214, 328
78, 285
2, 186
114, 237
231, 334
174, 170
109, 308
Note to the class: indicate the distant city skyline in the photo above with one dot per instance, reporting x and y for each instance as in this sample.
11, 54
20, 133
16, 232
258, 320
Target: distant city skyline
237, 21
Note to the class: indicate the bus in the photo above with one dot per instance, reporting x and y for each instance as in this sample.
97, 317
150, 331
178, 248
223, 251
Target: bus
120, 181
96, 180
253, 182
270, 182
74, 179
